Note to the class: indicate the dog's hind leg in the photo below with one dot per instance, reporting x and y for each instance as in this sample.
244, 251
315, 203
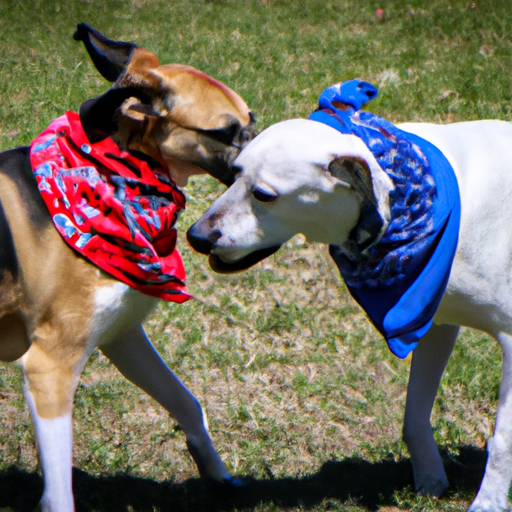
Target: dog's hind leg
50, 384
139, 362
493, 493
428, 364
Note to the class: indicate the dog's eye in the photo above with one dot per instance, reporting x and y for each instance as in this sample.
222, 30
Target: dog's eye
264, 193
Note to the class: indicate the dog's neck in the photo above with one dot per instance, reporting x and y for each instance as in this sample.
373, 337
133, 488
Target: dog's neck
112, 208
400, 276
371, 254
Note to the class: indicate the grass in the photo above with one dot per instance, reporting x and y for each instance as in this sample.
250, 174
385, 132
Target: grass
301, 393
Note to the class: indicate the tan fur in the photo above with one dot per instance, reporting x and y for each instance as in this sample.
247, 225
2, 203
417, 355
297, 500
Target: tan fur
54, 298
45, 314
171, 130
55, 306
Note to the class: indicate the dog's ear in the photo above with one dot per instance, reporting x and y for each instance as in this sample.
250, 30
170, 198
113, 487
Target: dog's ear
98, 115
374, 215
352, 172
138, 110
123, 63
109, 57
138, 122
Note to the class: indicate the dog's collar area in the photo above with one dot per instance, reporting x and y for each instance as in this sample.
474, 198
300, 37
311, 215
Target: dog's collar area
366, 233
398, 276
113, 208
374, 258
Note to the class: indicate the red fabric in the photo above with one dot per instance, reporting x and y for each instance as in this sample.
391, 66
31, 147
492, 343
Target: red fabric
111, 207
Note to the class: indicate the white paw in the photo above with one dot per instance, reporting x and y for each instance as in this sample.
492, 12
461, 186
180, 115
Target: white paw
489, 507
207, 460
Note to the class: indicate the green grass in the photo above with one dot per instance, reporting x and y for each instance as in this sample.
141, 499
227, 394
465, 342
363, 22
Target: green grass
300, 391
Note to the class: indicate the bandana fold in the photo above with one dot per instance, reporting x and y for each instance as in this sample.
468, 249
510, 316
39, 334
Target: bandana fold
113, 208
400, 280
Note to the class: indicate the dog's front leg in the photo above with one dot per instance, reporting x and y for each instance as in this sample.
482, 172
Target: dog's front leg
493, 493
138, 361
50, 384
427, 367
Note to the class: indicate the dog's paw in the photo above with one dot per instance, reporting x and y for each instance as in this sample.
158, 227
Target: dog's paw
478, 506
492, 508
431, 486
230, 486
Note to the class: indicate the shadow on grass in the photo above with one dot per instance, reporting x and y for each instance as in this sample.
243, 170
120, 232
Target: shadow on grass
370, 484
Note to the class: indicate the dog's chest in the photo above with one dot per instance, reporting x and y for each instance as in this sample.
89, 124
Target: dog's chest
117, 308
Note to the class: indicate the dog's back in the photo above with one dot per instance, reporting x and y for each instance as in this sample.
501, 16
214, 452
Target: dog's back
479, 152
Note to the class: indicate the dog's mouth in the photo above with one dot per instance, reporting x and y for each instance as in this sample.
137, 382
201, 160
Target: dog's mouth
224, 267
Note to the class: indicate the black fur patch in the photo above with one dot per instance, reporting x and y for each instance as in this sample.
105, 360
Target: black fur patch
98, 114
16, 165
8, 260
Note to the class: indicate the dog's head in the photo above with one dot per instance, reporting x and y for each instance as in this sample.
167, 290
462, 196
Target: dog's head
297, 176
184, 119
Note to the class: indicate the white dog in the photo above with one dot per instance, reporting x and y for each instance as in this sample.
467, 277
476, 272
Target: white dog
287, 185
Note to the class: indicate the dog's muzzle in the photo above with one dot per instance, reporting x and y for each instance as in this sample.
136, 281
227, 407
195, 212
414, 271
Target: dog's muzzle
223, 267
204, 243
245, 136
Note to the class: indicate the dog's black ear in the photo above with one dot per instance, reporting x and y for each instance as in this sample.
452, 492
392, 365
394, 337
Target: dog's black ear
356, 174
109, 57
98, 115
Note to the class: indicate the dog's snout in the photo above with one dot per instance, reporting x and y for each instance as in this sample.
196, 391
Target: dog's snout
247, 133
227, 134
200, 241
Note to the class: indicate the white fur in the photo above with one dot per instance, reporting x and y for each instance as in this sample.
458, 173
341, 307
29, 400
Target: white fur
55, 441
117, 330
119, 311
117, 307
291, 157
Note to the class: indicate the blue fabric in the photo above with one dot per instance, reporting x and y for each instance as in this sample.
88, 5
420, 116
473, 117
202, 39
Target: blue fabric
354, 93
400, 280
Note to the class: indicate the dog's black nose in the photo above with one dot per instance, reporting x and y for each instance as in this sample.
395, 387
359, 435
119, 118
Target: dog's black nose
200, 241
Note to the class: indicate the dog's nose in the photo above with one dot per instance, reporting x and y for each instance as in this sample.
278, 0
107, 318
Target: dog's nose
200, 241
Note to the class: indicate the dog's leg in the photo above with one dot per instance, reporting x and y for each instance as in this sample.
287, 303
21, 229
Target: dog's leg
138, 361
50, 384
428, 364
54, 440
493, 493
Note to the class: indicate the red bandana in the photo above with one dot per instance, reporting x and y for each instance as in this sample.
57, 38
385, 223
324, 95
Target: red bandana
111, 207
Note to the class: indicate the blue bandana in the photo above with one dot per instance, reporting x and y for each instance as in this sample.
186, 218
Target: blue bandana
400, 279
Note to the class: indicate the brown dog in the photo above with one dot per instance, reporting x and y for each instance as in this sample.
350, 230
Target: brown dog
55, 306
